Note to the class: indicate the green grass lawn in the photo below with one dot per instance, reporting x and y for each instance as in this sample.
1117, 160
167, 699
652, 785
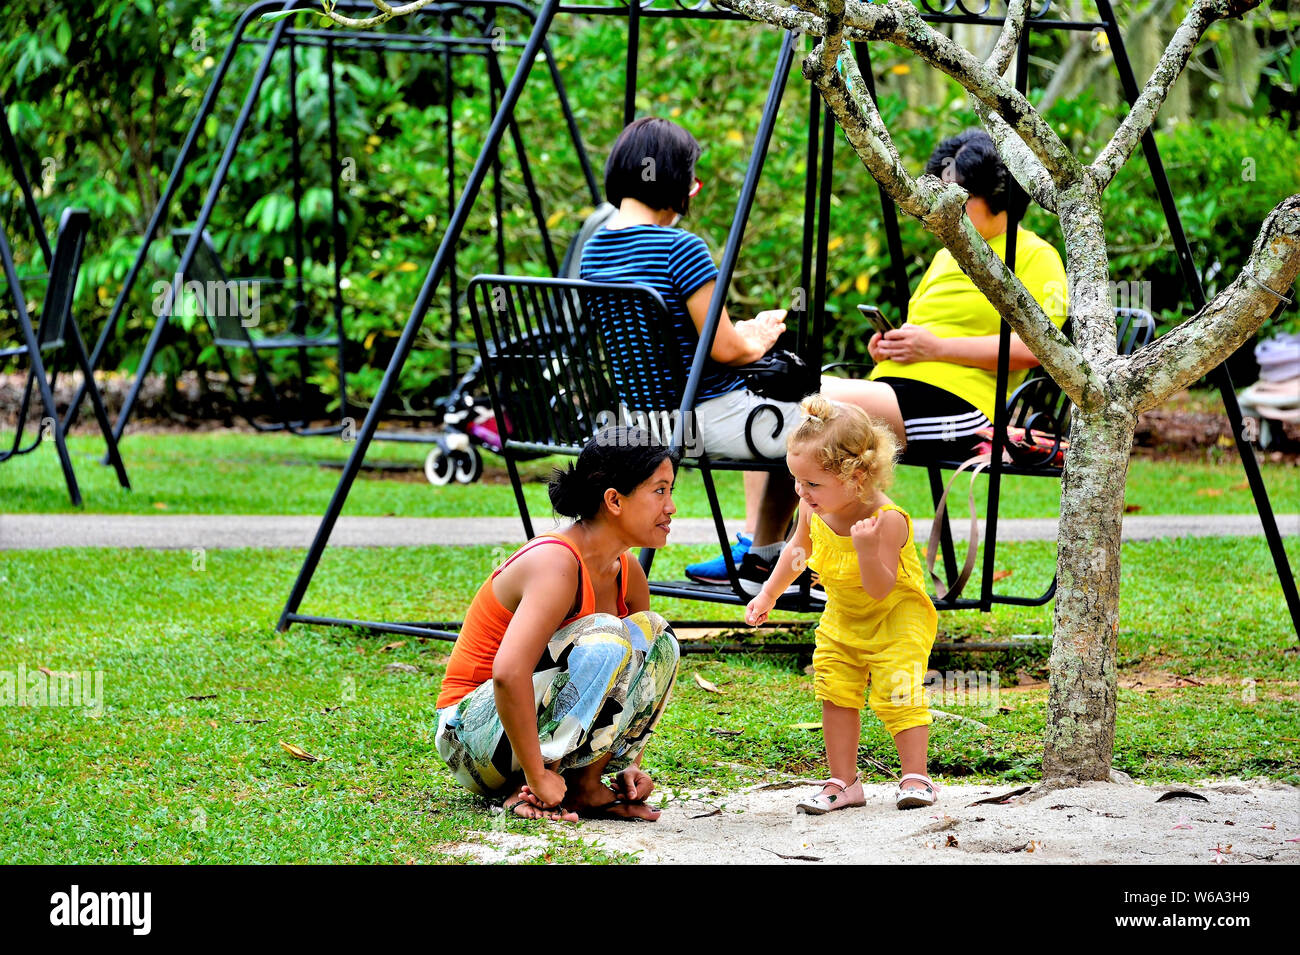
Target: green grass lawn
184, 764
226, 472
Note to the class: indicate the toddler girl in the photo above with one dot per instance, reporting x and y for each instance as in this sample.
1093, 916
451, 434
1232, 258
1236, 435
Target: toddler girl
879, 623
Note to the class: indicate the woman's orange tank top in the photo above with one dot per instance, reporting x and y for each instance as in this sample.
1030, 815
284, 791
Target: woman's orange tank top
486, 620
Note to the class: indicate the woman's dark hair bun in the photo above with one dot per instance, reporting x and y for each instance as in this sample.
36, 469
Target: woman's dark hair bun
976, 167
621, 458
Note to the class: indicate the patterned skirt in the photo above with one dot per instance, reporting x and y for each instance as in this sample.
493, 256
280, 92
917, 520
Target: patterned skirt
600, 687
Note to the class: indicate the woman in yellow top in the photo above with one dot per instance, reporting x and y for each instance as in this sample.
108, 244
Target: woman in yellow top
935, 380
879, 624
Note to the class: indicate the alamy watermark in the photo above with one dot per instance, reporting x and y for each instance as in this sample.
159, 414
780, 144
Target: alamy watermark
75, 907
658, 425
234, 298
978, 689
45, 687
1081, 293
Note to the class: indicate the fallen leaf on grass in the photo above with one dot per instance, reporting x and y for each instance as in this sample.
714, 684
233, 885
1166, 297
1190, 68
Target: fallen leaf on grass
202, 696
297, 752
213, 724
392, 646
250, 721
1132, 508
716, 731
401, 668
797, 858
1002, 798
1181, 794
704, 684
160, 505
1001, 575
805, 726
1210, 492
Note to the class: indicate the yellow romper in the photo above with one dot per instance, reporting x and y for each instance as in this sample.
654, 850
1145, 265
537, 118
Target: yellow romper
858, 637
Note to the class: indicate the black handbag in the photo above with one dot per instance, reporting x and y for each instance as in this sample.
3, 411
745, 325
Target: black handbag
781, 375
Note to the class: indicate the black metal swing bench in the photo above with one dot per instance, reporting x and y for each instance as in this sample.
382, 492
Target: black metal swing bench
552, 381
441, 33
57, 331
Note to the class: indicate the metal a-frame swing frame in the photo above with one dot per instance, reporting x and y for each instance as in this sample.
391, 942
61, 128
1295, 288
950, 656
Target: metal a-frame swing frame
284, 35
817, 215
58, 326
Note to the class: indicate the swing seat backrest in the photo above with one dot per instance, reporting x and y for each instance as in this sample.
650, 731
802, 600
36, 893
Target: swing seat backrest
56, 309
206, 268
553, 380
226, 319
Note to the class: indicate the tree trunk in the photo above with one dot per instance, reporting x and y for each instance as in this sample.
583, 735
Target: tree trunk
1081, 699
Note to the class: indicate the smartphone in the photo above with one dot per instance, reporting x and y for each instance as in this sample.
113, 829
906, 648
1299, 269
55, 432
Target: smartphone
876, 317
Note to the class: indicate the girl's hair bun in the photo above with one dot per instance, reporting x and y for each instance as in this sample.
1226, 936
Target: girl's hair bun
818, 407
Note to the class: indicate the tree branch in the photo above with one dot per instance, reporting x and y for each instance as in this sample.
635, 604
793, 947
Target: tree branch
1172, 62
1023, 164
898, 22
847, 99
1178, 358
386, 12
1012, 28
941, 208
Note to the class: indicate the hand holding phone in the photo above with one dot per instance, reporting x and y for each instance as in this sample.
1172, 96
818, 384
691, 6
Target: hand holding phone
876, 317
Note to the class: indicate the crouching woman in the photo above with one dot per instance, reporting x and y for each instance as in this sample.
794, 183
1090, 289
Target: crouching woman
561, 671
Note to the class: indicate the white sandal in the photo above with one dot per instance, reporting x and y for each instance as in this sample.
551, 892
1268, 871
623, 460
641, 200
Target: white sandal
849, 795
916, 798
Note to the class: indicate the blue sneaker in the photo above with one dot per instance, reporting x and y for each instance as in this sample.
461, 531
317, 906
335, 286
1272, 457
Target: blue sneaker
715, 571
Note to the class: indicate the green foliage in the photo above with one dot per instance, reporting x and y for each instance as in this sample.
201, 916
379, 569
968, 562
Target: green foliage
1226, 177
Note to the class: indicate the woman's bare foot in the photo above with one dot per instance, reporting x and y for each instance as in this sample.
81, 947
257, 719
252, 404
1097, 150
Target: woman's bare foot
525, 805
598, 801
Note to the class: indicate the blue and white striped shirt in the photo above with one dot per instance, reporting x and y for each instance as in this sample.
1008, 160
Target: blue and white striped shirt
676, 264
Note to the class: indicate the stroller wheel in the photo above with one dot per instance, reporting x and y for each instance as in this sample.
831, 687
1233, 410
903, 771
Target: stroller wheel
468, 465
438, 467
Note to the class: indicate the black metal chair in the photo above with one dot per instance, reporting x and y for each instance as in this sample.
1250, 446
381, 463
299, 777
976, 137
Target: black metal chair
57, 330
232, 330
554, 381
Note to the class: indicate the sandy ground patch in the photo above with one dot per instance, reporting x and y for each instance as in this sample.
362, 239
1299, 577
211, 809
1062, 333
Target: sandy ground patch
1241, 823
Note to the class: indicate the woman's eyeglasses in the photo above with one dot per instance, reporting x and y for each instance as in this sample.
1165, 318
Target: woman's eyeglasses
696, 186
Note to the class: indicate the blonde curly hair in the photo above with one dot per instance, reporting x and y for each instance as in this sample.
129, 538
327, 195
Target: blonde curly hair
847, 442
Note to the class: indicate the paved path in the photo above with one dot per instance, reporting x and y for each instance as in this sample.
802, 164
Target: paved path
217, 532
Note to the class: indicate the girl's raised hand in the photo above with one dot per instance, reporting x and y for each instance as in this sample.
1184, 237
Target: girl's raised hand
866, 532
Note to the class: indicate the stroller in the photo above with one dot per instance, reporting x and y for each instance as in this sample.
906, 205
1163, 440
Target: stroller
467, 420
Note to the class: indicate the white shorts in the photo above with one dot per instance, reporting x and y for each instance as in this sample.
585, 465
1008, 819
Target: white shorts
720, 423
